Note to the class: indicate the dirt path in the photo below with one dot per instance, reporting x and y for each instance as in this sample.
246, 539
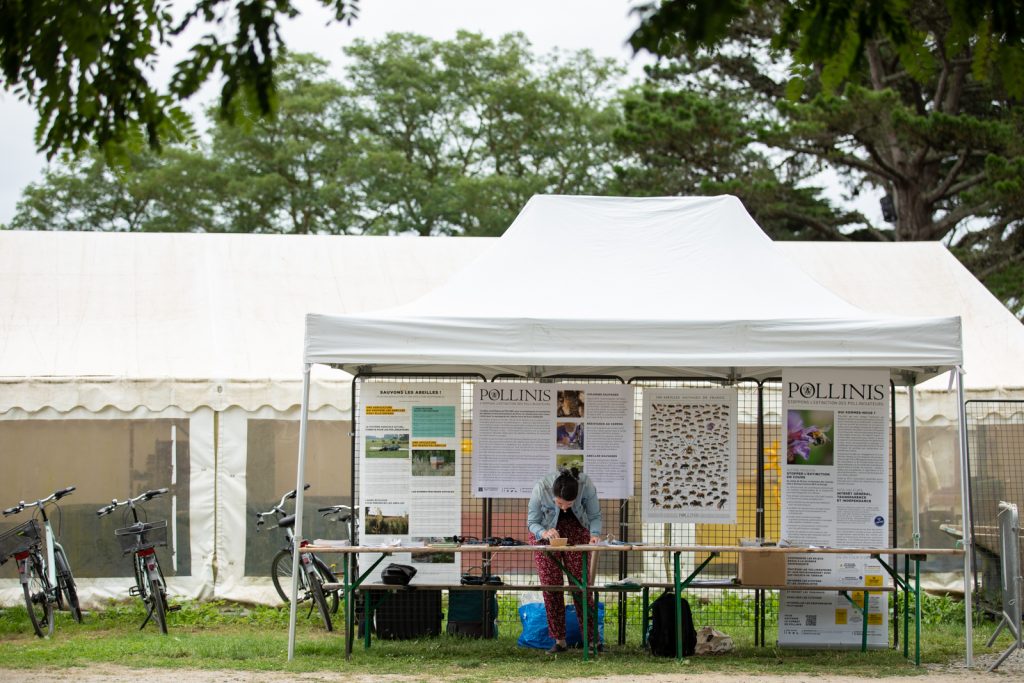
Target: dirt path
115, 674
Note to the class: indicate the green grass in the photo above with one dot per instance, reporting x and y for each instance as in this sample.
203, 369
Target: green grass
230, 636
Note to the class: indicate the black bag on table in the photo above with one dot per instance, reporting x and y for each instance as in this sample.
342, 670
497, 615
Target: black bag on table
397, 574
661, 638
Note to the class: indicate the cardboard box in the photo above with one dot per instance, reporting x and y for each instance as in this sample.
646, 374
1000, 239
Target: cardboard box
762, 568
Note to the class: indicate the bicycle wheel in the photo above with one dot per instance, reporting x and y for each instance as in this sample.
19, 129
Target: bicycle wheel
37, 597
158, 601
317, 589
66, 584
327, 576
281, 574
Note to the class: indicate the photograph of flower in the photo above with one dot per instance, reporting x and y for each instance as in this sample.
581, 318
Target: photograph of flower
809, 438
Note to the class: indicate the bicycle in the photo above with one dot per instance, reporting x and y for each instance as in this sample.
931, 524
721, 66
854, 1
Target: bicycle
315, 572
46, 580
140, 539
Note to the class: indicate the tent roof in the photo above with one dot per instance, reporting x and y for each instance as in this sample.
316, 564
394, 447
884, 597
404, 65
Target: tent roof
923, 278
91, 319
634, 287
86, 318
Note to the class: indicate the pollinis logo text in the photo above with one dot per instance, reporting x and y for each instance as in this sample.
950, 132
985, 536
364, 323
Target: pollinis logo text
836, 392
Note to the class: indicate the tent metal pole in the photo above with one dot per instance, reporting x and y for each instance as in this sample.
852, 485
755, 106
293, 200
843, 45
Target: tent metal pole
300, 490
965, 498
915, 503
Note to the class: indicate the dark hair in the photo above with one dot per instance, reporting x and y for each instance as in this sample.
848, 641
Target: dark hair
567, 484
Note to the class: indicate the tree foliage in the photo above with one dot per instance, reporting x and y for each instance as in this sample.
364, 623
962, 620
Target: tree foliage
835, 35
432, 137
924, 116
87, 66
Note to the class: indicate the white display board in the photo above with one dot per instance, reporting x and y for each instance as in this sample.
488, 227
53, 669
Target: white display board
523, 431
689, 455
835, 478
410, 470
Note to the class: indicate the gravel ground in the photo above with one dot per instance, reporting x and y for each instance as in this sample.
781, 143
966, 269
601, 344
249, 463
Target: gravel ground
1011, 670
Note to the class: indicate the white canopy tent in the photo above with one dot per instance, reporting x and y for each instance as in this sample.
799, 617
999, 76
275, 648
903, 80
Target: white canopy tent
672, 287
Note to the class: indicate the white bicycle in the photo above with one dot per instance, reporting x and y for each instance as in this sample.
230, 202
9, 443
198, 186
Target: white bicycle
46, 579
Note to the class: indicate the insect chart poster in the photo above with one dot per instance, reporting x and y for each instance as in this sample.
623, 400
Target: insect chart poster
410, 469
689, 456
523, 431
835, 477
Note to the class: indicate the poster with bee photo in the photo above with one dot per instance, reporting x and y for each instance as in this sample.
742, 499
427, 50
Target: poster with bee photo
689, 458
835, 494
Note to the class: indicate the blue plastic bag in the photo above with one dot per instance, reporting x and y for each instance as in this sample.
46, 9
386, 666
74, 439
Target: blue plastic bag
534, 620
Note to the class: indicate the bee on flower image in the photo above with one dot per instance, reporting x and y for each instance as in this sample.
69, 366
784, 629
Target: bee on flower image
808, 440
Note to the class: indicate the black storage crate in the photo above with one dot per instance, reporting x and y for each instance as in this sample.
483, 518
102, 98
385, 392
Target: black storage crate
407, 614
472, 613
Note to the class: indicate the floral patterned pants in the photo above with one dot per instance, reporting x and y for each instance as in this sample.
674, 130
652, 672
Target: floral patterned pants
551, 575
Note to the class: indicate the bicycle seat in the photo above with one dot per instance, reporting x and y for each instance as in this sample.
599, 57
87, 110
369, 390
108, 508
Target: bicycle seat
287, 522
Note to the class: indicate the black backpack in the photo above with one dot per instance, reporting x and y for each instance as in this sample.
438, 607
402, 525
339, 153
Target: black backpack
661, 638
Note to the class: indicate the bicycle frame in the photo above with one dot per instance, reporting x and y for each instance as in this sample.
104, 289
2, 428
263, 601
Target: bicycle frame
51, 544
146, 564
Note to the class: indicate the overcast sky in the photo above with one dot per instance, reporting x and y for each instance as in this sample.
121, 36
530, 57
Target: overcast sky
600, 25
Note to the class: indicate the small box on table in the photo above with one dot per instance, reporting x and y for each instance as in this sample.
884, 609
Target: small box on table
761, 567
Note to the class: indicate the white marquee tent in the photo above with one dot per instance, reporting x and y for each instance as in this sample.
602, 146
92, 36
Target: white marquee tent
674, 287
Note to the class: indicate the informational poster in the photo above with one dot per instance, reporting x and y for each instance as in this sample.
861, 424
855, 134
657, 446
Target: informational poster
689, 455
834, 495
410, 470
523, 431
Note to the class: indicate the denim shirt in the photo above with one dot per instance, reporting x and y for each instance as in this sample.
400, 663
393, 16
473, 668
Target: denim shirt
543, 513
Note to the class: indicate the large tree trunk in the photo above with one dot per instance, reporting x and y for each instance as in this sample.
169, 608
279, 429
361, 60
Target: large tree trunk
914, 217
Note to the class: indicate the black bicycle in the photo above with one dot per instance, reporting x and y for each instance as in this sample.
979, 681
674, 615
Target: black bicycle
140, 539
315, 572
46, 578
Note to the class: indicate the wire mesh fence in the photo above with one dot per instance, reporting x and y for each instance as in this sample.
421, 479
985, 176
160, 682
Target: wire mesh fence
758, 497
995, 454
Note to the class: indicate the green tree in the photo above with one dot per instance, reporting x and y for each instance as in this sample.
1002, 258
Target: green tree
87, 66
677, 139
836, 34
283, 173
935, 128
143, 191
433, 137
457, 135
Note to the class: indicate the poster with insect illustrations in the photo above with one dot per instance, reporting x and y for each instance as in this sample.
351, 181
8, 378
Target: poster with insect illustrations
689, 457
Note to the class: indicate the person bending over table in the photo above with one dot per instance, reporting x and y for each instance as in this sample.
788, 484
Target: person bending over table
564, 505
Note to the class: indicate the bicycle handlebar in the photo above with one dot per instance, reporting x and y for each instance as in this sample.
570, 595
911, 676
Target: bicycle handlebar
293, 492
114, 504
56, 495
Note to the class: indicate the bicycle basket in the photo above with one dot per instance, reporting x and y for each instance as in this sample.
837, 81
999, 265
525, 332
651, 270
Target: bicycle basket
18, 539
142, 536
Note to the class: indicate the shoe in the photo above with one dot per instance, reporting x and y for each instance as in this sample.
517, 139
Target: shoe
556, 648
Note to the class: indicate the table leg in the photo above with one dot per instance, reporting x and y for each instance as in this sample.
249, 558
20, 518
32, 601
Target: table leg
349, 609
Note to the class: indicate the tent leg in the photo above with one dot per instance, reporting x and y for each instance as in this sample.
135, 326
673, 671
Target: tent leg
300, 479
915, 514
965, 499
915, 503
